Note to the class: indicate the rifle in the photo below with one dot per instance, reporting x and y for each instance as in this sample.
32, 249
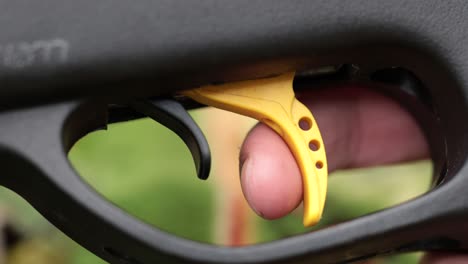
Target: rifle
68, 68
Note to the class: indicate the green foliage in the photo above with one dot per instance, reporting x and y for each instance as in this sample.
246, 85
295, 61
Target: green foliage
146, 170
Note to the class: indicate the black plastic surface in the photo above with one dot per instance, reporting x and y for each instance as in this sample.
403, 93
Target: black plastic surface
55, 50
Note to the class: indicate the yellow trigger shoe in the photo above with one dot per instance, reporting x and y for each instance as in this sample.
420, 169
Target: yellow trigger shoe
272, 101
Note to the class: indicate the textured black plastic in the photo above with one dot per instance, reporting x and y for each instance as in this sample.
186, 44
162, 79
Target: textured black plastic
54, 50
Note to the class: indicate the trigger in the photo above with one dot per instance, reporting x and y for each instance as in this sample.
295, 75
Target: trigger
272, 101
173, 115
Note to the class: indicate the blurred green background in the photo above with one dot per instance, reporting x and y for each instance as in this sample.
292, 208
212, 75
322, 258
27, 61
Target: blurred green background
146, 169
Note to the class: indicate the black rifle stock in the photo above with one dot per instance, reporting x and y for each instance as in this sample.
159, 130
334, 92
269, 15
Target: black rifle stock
69, 67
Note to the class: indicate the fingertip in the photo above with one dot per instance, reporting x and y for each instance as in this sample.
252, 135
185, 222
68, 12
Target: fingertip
270, 178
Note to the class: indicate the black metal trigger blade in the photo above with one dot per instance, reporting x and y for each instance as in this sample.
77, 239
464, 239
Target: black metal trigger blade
173, 115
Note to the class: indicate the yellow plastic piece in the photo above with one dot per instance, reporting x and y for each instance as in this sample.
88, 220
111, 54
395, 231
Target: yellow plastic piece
272, 101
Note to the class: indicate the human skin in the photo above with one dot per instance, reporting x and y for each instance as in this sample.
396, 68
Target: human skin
359, 127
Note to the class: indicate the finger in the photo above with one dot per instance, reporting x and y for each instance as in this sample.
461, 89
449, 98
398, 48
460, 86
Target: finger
270, 178
359, 127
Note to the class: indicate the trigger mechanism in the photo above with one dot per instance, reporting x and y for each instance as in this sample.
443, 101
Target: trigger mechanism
273, 102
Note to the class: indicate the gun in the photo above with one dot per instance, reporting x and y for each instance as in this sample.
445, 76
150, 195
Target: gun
71, 67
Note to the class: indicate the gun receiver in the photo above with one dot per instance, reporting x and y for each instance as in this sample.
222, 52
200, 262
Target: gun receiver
70, 67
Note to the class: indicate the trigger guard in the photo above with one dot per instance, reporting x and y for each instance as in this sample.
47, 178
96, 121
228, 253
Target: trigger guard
33, 153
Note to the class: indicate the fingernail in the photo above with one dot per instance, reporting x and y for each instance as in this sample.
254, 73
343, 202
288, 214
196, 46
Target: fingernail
246, 175
244, 166
242, 159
